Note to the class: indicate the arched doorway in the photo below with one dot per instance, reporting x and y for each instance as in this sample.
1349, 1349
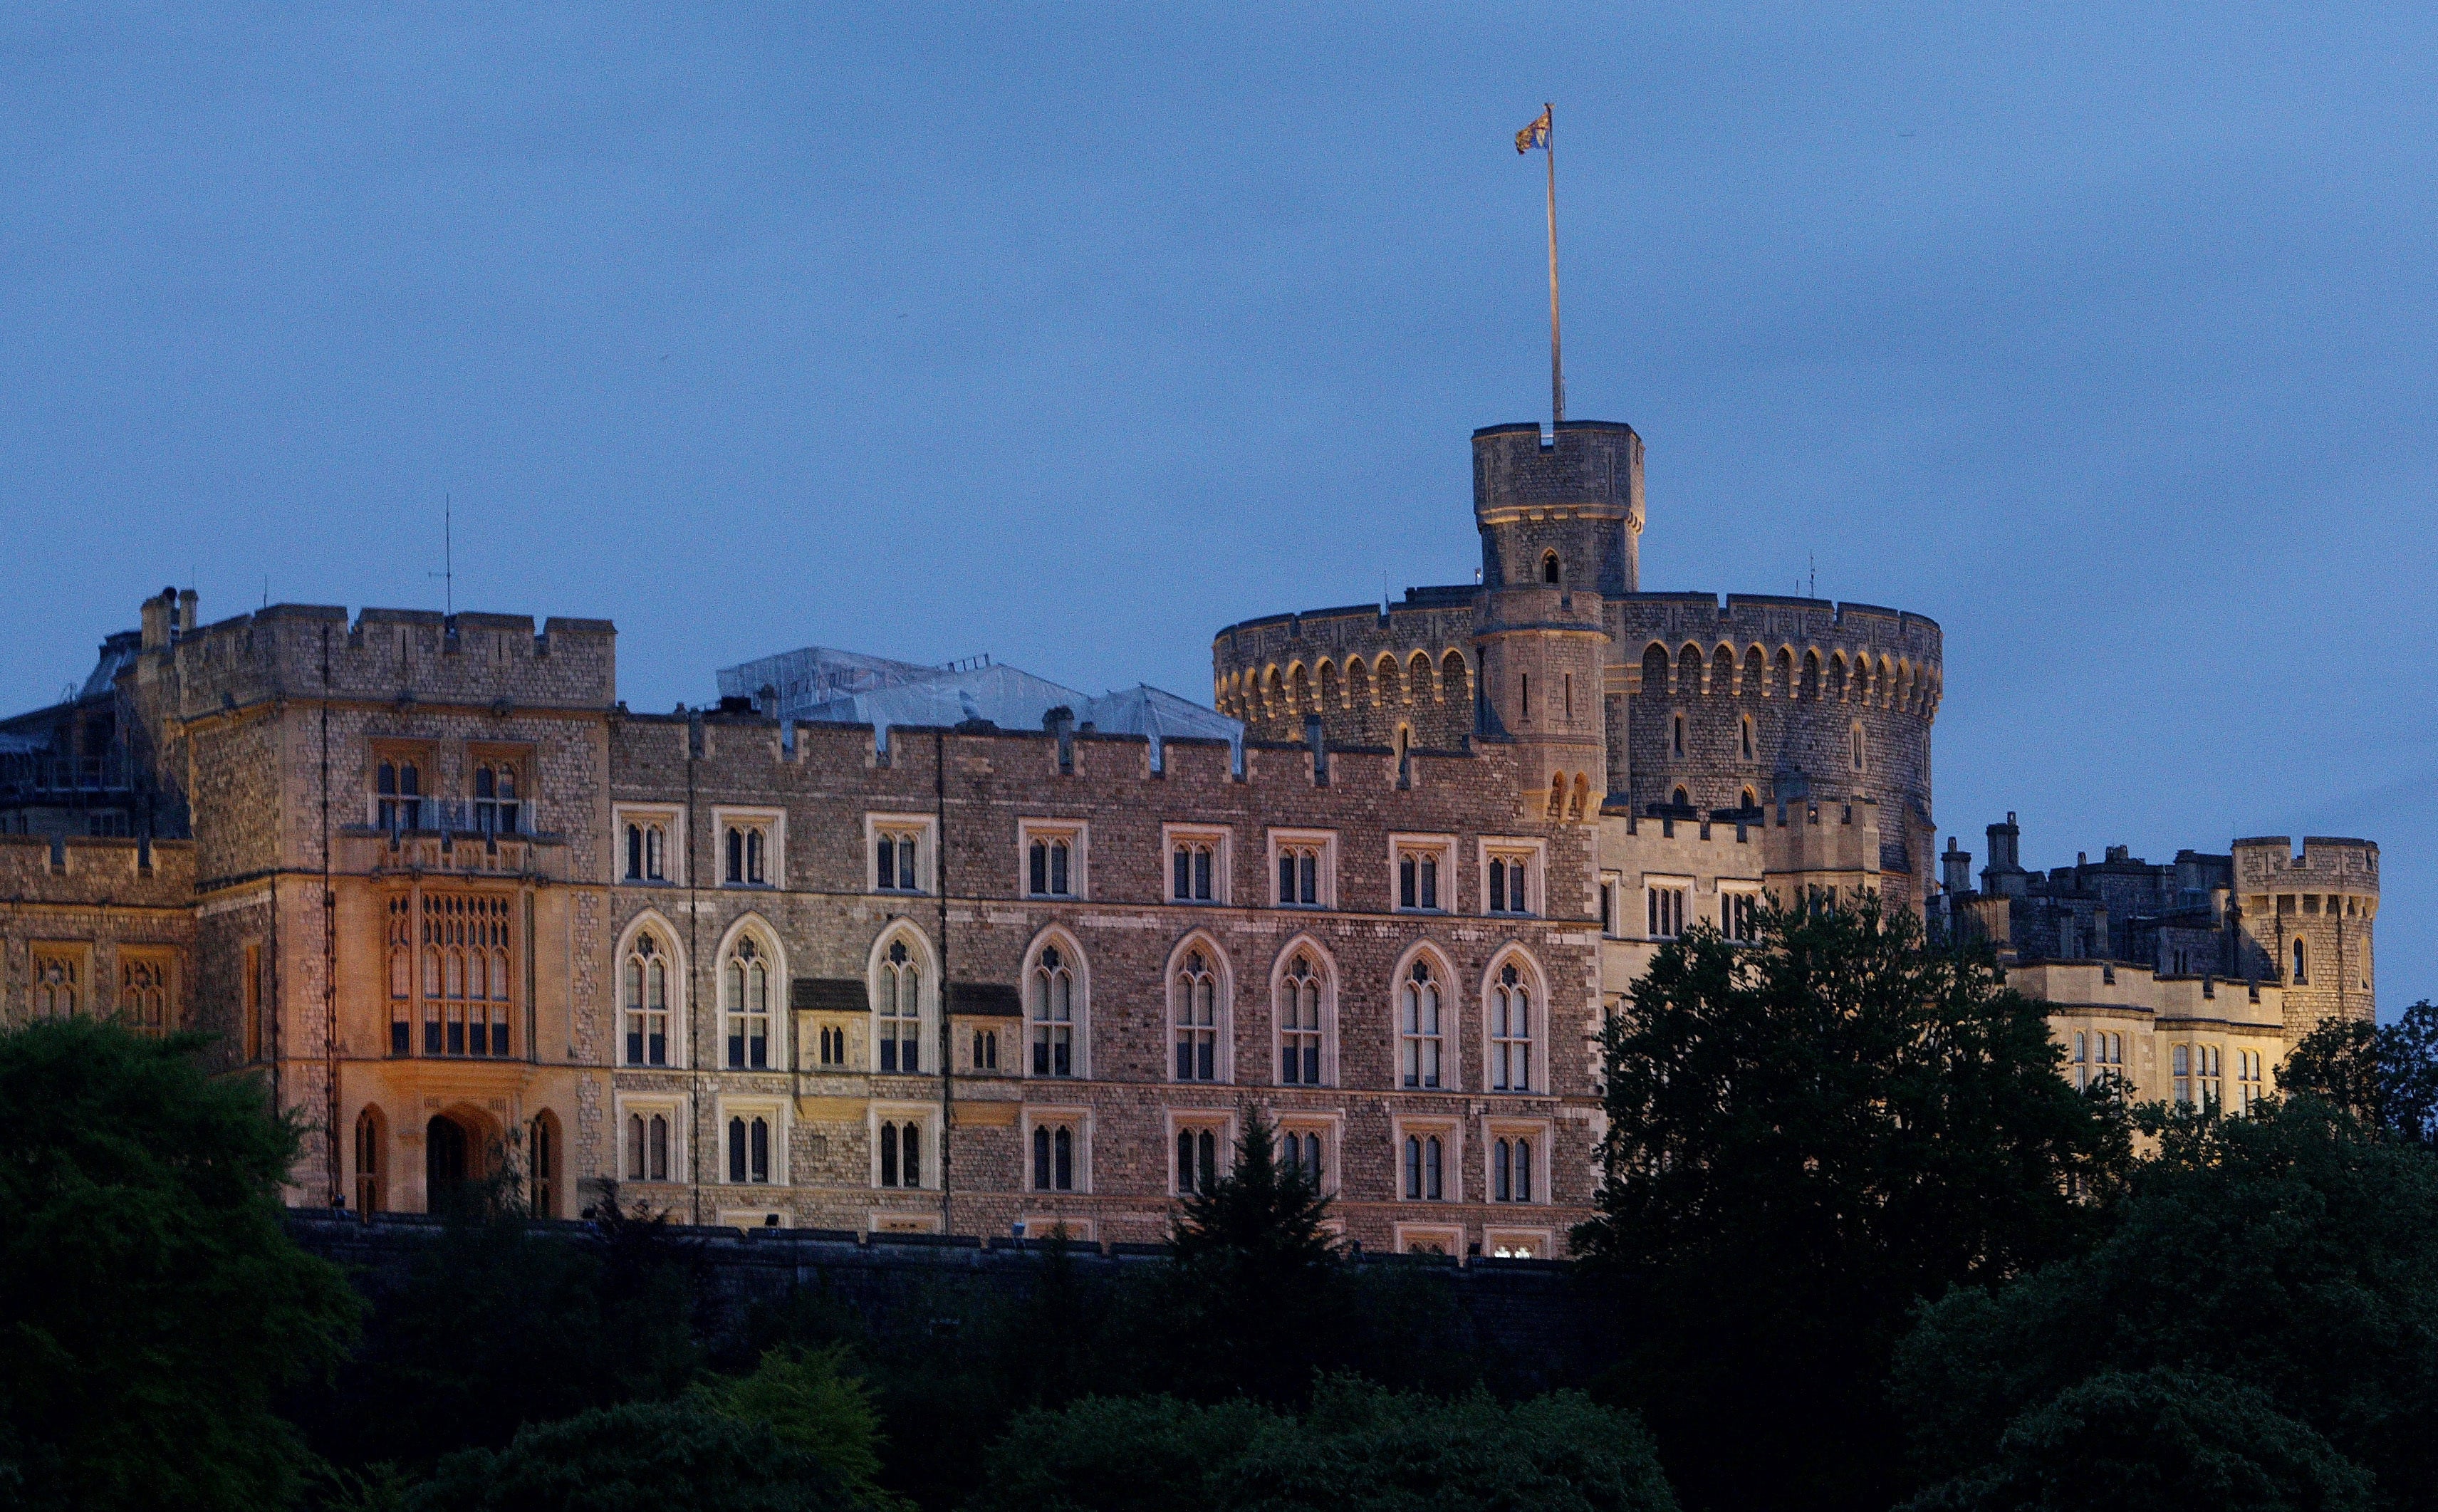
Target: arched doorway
371, 1153
445, 1162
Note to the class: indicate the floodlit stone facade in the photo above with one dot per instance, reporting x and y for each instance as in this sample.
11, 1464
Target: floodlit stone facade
462, 910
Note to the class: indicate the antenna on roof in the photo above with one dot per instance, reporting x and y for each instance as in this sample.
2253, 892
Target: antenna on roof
448, 573
1813, 559
266, 591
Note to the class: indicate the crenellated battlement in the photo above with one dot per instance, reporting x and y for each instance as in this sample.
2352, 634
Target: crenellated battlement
1365, 672
2269, 864
393, 656
1761, 645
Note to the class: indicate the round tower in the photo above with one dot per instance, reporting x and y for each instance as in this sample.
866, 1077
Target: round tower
1560, 524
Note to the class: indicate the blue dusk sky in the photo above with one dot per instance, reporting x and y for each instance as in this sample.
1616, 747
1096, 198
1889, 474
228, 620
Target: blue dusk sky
2104, 336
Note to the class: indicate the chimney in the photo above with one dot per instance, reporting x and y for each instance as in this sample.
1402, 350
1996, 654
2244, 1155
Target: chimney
158, 612
187, 612
1955, 868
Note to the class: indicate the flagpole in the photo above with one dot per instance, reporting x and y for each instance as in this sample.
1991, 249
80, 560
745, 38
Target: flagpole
1557, 369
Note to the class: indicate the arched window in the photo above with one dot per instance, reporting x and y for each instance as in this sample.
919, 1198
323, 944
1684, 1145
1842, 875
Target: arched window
1384, 675
2301, 978
1421, 1040
646, 991
1053, 1013
749, 1149
1419, 687
747, 1019
1689, 671
1054, 1158
371, 1162
1681, 798
1510, 1030
1655, 669
648, 1146
1755, 677
1358, 683
897, 1009
1330, 694
1456, 679
1297, 1010
1549, 567
1194, 992
1750, 800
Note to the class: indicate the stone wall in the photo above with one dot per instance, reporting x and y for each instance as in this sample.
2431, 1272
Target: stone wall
1529, 1323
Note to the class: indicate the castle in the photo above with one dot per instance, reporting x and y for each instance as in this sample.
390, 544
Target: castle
887, 949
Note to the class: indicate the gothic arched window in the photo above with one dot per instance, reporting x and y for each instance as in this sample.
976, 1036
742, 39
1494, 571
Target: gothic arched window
1421, 1041
898, 1009
645, 993
1298, 1010
748, 983
1510, 1032
1195, 993
1053, 1013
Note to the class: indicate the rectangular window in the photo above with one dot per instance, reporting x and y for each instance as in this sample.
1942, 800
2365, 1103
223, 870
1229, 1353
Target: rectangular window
1054, 1158
1510, 1169
749, 1149
500, 799
1303, 863
1300, 1152
144, 1002
1421, 866
1507, 887
2183, 1074
468, 973
647, 842
893, 861
1201, 1150
749, 842
1664, 908
1425, 1167
398, 775
1197, 863
1738, 915
985, 1050
648, 1143
900, 1152
1053, 859
249, 985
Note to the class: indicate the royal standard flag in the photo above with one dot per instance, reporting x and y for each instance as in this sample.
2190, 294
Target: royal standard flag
1536, 134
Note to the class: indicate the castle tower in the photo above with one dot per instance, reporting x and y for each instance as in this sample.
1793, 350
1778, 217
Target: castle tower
2307, 924
1561, 525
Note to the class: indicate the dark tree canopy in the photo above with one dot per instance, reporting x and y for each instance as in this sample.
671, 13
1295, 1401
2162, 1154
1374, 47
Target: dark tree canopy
152, 1304
2289, 1251
2386, 1076
680, 1456
1807, 1135
1357, 1449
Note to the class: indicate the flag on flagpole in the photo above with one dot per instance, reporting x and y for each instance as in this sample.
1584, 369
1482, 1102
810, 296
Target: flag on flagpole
1536, 134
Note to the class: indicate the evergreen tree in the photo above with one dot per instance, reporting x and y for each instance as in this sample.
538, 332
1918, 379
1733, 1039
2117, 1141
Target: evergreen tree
151, 1303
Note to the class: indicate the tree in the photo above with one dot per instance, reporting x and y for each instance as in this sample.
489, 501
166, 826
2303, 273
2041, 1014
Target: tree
1358, 1449
2161, 1440
498, 1326
151, 1303
1256, 1299
2386, 1076
677, 1456
811, 1402
2290, 1251
1807, 1135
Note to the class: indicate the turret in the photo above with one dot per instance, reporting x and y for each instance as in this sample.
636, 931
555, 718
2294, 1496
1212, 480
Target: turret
1559, 521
